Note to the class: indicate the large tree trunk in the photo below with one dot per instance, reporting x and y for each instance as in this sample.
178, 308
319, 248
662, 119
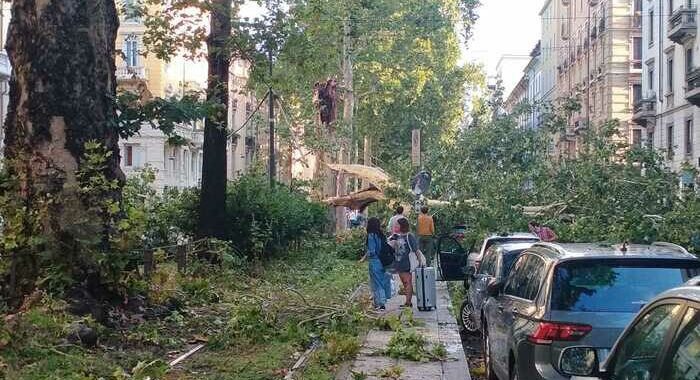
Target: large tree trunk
212, 216
61, 96
348, 119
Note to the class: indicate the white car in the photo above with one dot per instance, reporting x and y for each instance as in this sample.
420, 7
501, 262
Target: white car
474, 258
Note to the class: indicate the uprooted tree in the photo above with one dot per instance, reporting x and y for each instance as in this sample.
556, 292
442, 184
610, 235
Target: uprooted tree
61, 105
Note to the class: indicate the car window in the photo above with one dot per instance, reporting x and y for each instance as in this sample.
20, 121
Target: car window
685, 352
620, 286
488, 264
637, 353
508, 260
525, 278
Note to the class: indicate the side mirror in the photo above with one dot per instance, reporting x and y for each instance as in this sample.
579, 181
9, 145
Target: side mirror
494, 288
579, 361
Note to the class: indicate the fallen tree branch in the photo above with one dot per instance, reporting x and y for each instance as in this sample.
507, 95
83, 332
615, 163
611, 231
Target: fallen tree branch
186, 355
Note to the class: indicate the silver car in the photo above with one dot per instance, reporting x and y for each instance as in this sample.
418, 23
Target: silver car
560, 296
662, 343
496, 264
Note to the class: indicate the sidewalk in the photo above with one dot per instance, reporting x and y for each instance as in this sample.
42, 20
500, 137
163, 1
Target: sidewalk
438, 326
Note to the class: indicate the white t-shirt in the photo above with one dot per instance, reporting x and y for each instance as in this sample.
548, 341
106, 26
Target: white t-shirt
393, 226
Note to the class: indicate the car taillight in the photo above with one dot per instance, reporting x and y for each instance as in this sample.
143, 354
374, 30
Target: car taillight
547, 332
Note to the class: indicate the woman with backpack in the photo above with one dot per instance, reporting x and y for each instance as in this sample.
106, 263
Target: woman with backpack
408, 256
380, 281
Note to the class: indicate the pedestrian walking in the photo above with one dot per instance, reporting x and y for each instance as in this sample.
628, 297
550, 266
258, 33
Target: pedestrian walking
426, 233
408, 257
393, 225
545, 233
380, 280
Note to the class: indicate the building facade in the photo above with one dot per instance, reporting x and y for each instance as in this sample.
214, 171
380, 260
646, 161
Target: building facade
178, 162
670, 97
527, 93
600, 64
5, 69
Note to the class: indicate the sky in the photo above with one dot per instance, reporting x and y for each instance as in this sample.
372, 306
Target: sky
504, 27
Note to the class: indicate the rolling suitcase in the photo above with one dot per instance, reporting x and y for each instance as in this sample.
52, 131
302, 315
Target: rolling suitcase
426, 293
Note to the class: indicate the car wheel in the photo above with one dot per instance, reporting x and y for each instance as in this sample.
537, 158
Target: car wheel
487, 354
467, 318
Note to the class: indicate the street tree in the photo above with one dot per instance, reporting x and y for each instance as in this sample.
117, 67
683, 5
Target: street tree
60, 141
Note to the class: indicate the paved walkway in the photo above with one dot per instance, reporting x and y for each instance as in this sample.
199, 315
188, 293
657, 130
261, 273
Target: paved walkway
438, 326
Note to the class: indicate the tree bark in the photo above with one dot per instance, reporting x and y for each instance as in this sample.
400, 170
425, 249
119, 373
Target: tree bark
61, 96
348, 118
212, 216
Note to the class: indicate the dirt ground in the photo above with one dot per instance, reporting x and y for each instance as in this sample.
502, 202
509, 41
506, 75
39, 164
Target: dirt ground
475, 356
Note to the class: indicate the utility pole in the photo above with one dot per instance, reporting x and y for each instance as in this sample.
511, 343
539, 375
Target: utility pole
271, 117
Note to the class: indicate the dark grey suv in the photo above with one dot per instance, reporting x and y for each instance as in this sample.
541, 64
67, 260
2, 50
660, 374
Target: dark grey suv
559, 296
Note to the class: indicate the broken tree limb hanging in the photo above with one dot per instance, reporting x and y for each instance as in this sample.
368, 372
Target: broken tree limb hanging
359, 200
372, 174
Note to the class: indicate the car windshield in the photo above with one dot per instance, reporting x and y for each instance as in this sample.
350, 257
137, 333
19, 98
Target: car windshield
622, 286
508, 260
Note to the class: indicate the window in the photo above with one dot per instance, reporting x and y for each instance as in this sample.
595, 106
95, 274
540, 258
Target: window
651, 79
508, 259
685, 362
637, 51
669, 78
670, 8
636, 138
637, 353
636, 93
488, 264
689, 60
525, 279
651, 27
129, 155
615, 286
689, 137
669, 141
131, 51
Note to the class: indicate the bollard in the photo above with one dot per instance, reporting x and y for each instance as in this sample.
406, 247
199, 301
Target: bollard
181, 258
148, 264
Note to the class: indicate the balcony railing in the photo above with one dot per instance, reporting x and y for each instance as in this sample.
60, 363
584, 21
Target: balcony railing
645, 111
692, 91
682, 25
5, 68
131, 72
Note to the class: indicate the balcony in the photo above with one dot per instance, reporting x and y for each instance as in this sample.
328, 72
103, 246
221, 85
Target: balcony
645, 111
692, 90
682, 25
131, 72
5, 68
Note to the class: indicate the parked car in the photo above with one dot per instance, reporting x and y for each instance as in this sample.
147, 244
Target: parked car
475, 258
560, 296
455, 261
663, 342
498, 260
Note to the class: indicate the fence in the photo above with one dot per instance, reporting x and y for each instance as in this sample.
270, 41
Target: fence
183, 254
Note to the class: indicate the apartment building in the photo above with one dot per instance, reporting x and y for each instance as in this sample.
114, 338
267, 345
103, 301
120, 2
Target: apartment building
528, 91
599, 62
551, 17
670, 94
178, 164
5, 69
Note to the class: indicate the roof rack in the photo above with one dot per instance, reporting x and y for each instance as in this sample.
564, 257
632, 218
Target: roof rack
670, 246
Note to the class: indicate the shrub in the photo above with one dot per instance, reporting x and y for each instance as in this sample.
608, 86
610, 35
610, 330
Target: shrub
264, 219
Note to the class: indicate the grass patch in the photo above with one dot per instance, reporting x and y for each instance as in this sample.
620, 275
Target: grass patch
256, 327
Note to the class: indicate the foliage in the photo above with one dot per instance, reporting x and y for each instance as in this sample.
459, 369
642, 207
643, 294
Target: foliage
266, 219
608, 192
352, 244
407, 344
